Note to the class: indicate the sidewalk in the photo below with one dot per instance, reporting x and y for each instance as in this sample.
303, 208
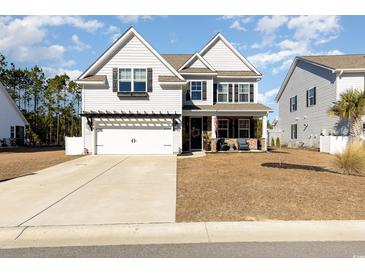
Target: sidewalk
178, 233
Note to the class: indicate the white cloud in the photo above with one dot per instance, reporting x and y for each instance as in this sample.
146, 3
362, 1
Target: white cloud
134, 18
53, 52
269, 24
265, 97
78, 44
114, 32
72, 73
237, 26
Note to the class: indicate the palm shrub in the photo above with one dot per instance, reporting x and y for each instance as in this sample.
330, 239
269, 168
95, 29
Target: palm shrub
351, 160
277, 141
351, 107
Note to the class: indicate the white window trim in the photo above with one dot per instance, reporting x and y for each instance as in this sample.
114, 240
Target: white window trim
224, 128
234, 83
239, 128
226, 93
308, 90
241, 92
132, 78
291, 104
201, 90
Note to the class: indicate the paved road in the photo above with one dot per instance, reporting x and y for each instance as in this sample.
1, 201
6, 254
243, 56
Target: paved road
212, 250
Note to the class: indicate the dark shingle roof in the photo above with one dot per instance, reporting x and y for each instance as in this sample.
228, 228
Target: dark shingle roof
350, 61
237, 73
167, 79
95, 78
196, 70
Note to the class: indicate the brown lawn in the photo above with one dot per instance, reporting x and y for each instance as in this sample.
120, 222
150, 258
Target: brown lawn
284, 185
20, 162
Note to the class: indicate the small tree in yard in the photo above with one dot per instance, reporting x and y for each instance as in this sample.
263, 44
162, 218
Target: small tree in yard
272, 141
351, 107
278, 142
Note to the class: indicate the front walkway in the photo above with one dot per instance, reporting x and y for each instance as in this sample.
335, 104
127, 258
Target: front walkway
93, 190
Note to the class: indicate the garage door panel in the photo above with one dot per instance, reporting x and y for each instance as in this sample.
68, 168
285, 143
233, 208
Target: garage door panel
134, 141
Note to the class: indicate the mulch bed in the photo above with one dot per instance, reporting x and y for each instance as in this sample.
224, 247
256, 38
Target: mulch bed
288, 184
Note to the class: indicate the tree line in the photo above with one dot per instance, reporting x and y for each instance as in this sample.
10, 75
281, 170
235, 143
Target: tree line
51, 105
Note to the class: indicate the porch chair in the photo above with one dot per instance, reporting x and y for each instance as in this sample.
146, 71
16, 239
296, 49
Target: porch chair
242, 144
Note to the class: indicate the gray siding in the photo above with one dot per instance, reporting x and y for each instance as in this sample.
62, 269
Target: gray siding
306, 76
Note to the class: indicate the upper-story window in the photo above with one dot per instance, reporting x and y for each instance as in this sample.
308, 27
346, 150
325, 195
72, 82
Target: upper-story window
227, 92
132, 80
293, 103
222, 92
243, 92
196, 90
311, 97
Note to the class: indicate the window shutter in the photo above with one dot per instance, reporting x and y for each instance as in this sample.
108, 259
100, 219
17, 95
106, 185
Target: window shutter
236, 92
115, 80
307, 98
230, 95
215, 87
290, 109
315, 95
251, 93
149, 80
252, 127
187, 95
204, 90
296, 103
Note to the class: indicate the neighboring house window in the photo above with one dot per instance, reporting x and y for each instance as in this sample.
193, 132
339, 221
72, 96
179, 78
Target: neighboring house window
139, 80
12, 135
244, 128
294, 131
243, 92
222, 92
196, 90
293, 103
222, 128
311, 97
125, 80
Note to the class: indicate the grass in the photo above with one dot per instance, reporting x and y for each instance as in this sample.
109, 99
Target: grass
24, 161
351, 160
287, 184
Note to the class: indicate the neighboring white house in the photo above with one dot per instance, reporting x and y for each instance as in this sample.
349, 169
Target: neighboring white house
12, 121
310, 88
137, 101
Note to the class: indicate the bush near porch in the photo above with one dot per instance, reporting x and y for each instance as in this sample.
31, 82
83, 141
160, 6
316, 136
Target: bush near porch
286, 184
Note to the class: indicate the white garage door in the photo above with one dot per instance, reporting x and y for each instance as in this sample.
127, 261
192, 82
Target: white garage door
133, 141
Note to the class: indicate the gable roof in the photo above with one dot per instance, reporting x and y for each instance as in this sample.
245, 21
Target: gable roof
11, 101
219, 36
111, 51
338, 62
176, 60
190, 61
334, 63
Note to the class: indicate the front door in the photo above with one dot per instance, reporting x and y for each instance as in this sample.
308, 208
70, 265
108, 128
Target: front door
196, 125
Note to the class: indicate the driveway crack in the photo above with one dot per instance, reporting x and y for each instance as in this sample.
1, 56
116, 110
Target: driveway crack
21, 232
73, 191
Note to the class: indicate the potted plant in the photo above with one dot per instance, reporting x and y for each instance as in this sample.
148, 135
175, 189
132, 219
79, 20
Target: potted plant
206, 141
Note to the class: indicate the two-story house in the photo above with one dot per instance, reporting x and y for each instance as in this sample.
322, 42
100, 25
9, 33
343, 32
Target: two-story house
311, 86
137, 101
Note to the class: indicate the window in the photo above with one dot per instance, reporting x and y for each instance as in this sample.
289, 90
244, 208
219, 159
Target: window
293, 104
243, 128
196, 90
140, 77
125, 80
294, 131
136, 76
222, 128
243, 92
222, 92
311, 97
12, 135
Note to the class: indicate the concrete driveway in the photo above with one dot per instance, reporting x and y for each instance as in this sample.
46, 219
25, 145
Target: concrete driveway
93, 190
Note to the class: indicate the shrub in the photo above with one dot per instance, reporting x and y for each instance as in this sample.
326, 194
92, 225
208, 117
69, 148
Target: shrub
272, 142
351, 160
278, 142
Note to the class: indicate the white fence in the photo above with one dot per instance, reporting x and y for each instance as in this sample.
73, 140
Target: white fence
74, 146
333, 144
273, 134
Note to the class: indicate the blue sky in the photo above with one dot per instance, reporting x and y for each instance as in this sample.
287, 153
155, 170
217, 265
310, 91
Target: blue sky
71, 43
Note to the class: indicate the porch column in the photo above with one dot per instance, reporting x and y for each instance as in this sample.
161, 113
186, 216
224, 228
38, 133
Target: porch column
214, 130
264, 133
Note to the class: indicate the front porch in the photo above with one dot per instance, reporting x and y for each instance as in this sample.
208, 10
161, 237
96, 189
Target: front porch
224, 133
